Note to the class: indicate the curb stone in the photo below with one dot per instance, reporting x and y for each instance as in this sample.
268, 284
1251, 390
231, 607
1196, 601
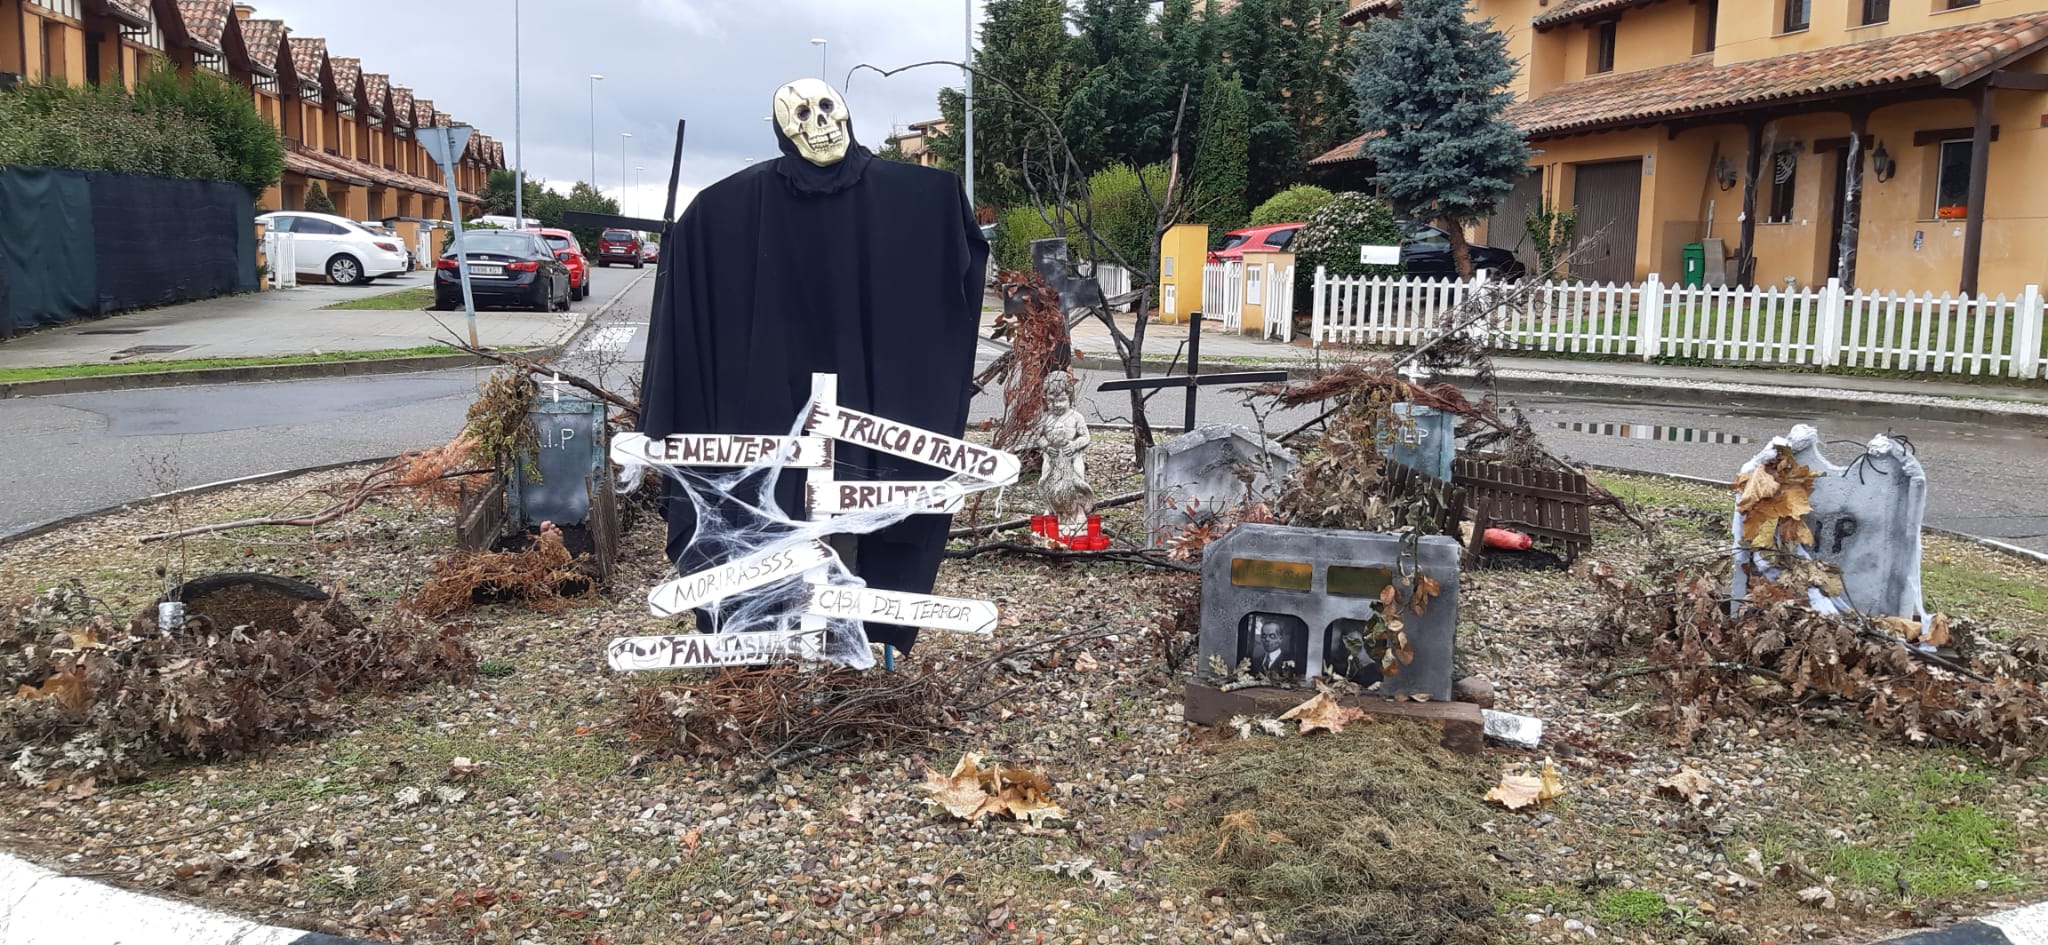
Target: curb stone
49, 908
2026, 925
1629, 390
141, 380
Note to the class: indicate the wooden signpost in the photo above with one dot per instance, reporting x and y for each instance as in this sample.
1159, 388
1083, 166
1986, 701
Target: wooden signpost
974, 468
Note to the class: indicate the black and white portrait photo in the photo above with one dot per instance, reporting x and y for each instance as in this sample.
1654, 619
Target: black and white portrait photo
1273, 643
1350, 653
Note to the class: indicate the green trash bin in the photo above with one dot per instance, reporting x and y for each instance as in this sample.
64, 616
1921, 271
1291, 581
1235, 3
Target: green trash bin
1695, 258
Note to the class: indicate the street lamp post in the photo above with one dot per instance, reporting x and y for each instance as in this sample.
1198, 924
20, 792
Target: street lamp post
637, 168
967, 73
594, 80
815, 41
518, 149
623, 135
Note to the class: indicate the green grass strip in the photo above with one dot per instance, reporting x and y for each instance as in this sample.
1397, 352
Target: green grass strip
411, 299
17, 375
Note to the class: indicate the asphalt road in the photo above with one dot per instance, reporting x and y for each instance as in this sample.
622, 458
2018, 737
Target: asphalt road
1983, 478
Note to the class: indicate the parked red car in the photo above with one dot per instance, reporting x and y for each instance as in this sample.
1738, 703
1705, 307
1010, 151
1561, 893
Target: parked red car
1272, 236
619, 246
570, 252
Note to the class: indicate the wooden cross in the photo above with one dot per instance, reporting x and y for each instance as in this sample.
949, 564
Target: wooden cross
1194, 377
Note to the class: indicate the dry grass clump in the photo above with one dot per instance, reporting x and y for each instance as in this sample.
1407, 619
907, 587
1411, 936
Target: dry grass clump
96, 699
779, 711
543, 575
1371, 835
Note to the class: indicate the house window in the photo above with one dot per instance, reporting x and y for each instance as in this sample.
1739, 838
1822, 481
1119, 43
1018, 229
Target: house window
1952, 180
1876, 11
1798, 15
1959, 4
1603, 48
1706, 17
1784, 185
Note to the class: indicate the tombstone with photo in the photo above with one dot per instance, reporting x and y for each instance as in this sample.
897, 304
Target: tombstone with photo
1866, 521
1200, 474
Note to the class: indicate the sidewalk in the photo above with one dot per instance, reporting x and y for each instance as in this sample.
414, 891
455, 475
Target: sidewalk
1630, 380
274, 323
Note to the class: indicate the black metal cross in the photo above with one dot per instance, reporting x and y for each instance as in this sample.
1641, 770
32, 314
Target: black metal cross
1194, 377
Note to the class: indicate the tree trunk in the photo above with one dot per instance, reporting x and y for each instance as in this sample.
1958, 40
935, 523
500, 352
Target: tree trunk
1461, 251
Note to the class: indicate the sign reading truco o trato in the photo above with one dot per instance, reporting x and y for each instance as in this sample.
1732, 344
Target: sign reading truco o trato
974, 469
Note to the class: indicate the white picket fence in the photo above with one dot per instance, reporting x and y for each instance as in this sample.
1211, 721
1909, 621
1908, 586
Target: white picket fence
1824, 326
281, 259
1227, 286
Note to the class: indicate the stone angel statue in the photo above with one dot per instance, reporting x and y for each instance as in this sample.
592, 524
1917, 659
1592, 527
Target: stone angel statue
1063, 445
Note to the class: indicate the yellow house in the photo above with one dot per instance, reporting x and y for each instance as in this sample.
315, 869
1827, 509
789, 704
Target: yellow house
1891, 143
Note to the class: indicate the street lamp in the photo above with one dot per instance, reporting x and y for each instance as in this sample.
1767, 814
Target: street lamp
594, 80
815, 41
637, 168
623, 135
967, 74
518, 149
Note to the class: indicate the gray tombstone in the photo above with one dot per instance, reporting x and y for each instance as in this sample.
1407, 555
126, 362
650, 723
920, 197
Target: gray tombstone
1865, 520
1215, 467
1424, 439
1050, 260
571, 464
1296, 601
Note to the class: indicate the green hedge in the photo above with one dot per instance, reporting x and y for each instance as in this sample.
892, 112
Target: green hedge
205, 127
1122, 215
1293, 205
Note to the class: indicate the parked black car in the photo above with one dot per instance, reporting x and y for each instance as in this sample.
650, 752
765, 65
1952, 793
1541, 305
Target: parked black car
1427, 253
506, 267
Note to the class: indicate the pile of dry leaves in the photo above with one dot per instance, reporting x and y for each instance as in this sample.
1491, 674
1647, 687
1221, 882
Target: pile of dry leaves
1712, 657
543, 575
782, 711
972, 792
100, 699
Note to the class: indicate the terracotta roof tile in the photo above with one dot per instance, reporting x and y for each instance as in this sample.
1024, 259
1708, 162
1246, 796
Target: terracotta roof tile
307, 53
401, 104
348, 75
1571, 11
423, 112
205, 19
1352, 150
376, 88
135, 10
263, 37
1698, 87
1360, 12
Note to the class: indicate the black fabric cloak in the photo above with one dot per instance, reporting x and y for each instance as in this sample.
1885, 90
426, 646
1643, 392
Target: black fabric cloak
866, 268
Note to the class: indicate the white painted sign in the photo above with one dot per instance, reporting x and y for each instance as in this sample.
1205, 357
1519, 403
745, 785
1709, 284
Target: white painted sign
834, 497
901, 607
722, 449
846, 425
733, 577
713, 650
1370, 255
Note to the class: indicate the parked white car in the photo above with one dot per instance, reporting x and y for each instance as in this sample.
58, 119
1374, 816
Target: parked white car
338, 248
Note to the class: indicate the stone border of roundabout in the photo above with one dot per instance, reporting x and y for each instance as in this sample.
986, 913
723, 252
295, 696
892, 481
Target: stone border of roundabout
42, 907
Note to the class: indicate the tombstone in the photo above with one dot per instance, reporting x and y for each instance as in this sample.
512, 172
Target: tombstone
1294, 602
1199, 474
1424, 439
1865, 521
1049, 258
568, 483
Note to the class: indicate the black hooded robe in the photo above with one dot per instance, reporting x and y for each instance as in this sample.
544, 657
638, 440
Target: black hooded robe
868, 269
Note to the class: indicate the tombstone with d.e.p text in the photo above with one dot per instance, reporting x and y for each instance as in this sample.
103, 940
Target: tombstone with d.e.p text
1199, 475
566, 482
1865, 521
1424, 439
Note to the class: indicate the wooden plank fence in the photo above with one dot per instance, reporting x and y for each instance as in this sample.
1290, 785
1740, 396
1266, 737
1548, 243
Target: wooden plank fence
1550, 506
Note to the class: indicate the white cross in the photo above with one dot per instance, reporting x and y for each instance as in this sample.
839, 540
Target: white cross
554, 385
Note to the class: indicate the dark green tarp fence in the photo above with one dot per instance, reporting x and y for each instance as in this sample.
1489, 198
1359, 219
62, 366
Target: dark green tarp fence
81, 244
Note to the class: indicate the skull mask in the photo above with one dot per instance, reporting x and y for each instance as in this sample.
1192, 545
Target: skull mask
814, 117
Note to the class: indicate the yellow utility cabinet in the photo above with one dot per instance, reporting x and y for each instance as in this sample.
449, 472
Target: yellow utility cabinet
1265, 296
1182, 252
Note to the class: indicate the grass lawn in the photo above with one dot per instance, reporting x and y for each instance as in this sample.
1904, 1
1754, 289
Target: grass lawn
16, 375
414, 298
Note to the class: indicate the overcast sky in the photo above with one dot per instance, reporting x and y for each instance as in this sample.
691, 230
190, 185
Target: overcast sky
715, 63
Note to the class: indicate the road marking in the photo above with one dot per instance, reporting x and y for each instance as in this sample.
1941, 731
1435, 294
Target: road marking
608, 339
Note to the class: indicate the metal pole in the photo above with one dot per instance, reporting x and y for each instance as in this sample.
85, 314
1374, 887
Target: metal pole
594, 80
518, 150
623, 135
968, 75
823, 48
447, 134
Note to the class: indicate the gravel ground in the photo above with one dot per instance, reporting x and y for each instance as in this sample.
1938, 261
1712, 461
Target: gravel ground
561, 829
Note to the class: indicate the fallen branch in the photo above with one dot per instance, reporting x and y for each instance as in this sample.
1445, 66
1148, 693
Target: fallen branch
1063, 554
1016, 523
541, 369
780, 762
380, 481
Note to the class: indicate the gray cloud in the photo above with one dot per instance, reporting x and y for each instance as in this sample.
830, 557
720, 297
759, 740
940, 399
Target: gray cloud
713, 62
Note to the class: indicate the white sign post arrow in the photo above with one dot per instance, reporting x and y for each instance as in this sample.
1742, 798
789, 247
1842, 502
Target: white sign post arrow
847, 602
713, 650
722, 449
881, 434
839, 497
733, 577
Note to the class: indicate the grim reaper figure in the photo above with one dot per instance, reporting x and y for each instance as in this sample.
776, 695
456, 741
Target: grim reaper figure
825, 259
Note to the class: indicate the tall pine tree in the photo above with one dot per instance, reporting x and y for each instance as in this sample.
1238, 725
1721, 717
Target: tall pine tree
1115, 55
1434, 83
1024, 43
1290, 55
1222, 165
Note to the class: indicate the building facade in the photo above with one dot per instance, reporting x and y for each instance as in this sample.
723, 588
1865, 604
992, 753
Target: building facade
1883, 142
354, 132
917, 142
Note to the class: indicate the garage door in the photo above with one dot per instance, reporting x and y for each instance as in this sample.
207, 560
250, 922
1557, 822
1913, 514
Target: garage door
1509, 227
1608, 194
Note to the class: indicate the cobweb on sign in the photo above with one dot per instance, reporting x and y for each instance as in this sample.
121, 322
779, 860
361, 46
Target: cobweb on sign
737, 517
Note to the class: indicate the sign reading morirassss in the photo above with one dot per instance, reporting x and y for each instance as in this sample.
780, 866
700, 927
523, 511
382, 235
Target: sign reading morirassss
768, 562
